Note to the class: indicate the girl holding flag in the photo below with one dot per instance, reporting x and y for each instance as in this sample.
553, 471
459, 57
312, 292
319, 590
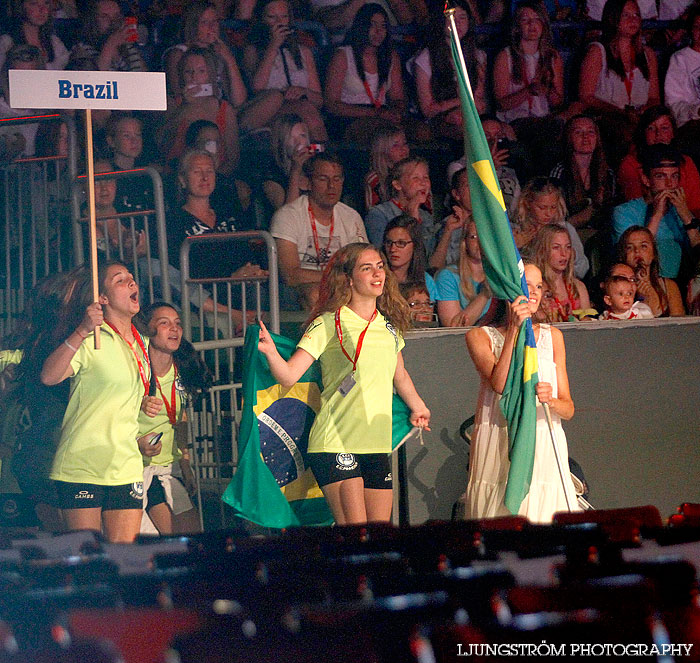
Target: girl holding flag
491, 350
97, 468
356, 332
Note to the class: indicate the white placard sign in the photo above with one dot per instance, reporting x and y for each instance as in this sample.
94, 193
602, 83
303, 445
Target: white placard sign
115, 90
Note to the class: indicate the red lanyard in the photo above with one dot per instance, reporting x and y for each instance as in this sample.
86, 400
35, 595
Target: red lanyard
170, 408
629, 79
326, 256
379, 101
360, 340
142, 373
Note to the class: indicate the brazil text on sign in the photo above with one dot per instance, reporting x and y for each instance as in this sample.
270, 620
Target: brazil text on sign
87, 89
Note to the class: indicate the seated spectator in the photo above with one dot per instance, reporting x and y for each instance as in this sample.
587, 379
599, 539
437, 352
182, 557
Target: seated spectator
290, 151
20, 137
280, 66
619, 301
619, 75
509, 159
200, 29
34, 26
337, 15
404, 250
421, 304
656, 127
434, 74
584, 176
663, 209
313, 227
638, 250
409, 182
681, 93
542, 203
528, 81
388, 147
449, 245
108, 39
364, 86
594, 9
200, 100
463, 295
617, 269
565, 298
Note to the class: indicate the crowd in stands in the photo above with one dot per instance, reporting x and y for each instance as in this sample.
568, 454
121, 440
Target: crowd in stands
336, 121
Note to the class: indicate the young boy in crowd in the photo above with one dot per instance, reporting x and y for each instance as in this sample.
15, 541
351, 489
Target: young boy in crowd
619, 300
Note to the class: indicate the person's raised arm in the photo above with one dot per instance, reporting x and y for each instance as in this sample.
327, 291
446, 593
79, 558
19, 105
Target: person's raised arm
563, 404
287, 373
420, 414
57, 366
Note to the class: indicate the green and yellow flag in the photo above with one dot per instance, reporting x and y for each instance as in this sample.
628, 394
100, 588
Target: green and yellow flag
504, 272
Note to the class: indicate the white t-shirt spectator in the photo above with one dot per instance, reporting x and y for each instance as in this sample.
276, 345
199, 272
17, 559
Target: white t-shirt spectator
682, 85
594, 9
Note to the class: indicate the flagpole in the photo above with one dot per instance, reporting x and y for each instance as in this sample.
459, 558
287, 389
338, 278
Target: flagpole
450, 13
548, 417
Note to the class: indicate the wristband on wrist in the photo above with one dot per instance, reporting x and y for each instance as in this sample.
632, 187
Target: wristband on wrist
72, 347
694, 224
77, 331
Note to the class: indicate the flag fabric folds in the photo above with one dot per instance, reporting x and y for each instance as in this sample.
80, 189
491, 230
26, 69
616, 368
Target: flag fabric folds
503, 268
272, 485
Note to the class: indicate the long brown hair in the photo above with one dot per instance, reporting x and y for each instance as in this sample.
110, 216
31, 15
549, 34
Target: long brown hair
335, 290
541, 249
545, 63
612, 13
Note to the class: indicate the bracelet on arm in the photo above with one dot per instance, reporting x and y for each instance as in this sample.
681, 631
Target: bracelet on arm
77, 331
693, 224
72, 347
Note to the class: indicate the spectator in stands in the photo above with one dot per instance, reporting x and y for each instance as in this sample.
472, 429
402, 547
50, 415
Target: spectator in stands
619, 75
20, 138
337, 15
449, 245
200, 100
200, 29
681, 90
409, 182
313, 227
108, 39
639, 251
594, 9
617, 269
34, 26
656, 127
283, 69
541, 203
463, 295
528, 80
663, 209
619, 301
290, 150
364, 86
566, 297
583, 175
404, 250
388, 147
434, 71
97, 467
178, 374
421, 304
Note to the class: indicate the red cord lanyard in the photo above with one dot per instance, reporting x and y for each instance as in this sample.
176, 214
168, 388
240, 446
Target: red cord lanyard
360, 340
398, 204
629, 79
142, 372
170, 408
379, 101
321, 260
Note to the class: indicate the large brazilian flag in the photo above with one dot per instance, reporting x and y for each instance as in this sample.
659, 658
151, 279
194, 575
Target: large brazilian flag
272, 485
504, 272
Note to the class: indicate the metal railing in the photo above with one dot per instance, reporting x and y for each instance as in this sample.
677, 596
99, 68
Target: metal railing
214, 426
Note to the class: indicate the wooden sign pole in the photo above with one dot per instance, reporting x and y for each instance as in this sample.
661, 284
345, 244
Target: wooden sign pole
91, 216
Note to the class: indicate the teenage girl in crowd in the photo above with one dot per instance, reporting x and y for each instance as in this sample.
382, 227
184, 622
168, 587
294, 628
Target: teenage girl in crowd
177, 373
637, 249
389, 146
491, 350
566, 298
357, 334
542, 202
97, 468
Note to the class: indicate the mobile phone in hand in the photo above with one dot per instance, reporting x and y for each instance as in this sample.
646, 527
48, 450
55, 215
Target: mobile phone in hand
155, 439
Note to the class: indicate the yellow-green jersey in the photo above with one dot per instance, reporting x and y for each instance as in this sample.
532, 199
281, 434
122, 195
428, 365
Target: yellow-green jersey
360, 421
161, 422
98, 435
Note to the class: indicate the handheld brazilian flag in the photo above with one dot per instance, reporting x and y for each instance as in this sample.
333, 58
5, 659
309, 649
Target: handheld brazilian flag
504, 272
272, 485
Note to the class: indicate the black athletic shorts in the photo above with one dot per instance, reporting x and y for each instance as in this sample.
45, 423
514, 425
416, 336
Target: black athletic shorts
155, 494
375, 469
90, 495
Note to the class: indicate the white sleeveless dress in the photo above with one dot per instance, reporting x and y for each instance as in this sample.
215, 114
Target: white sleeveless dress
488, 459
